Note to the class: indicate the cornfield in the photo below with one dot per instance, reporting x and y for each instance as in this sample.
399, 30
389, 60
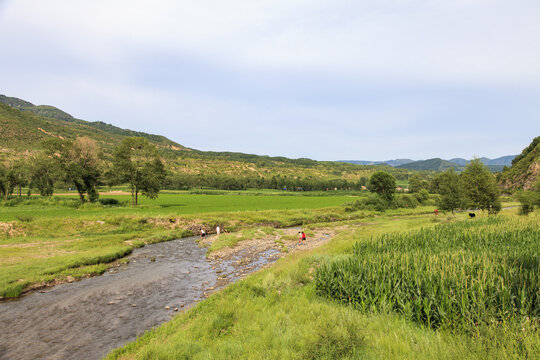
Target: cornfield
453, 276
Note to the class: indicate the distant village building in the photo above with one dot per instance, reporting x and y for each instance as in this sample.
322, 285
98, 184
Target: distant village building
364, 188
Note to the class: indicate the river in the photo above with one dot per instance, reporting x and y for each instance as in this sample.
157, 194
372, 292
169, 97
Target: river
89, 318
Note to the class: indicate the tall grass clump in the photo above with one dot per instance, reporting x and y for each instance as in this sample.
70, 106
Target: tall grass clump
456, 276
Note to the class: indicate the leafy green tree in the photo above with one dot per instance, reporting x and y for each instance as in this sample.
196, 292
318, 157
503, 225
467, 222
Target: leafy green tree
4, 183
17, 176
449, 187
42, 175
137, 163
415, 183
383, 184
79, 162
480, 187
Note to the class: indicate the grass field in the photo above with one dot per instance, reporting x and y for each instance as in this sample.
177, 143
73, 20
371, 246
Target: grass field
278, 314
165, 204
43, 241
281, 312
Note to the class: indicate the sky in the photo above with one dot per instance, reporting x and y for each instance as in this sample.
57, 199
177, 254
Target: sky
326, 80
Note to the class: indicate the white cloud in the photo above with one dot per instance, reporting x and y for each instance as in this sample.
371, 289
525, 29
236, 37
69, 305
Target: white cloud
433, 40
250, 75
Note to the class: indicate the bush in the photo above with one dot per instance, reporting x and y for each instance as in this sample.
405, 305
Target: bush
421, 196
24, 218
527, 199
108, 201
407, 201
372, 202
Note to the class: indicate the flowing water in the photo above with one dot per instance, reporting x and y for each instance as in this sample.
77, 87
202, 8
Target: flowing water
89, 318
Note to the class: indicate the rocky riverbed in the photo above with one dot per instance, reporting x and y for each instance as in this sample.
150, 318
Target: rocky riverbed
89, 318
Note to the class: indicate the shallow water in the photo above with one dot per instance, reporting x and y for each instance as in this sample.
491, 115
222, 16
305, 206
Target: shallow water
89, 318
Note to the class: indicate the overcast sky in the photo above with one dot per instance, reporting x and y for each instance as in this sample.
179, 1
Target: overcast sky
327, 80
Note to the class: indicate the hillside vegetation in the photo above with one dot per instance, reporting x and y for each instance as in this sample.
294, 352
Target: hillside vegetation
523, 174
26, 126
431, 164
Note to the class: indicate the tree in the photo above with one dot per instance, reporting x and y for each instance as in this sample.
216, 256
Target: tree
449, 187
383, 184
137, 162
416, 183
480, 187
17, 176
42, 174
4, 183
79, 162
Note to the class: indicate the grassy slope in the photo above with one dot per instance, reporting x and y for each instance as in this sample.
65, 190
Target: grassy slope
59, 123
20, 132
525, 168
275, 314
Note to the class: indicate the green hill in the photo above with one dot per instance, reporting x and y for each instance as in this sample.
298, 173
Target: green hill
435, 164
525, 169
25, 126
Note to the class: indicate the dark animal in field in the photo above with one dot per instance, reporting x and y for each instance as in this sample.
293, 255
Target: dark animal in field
472, 215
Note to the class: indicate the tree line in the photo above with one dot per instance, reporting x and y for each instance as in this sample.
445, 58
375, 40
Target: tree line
475, 187
82, 165
278, 182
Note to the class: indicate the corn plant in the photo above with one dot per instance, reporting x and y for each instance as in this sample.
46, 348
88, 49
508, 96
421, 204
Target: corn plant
454, 276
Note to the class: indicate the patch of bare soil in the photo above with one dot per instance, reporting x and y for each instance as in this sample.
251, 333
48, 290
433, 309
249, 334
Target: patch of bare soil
9, 229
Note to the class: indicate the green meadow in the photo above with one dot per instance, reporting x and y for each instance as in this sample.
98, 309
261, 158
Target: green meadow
44, 241
284, 313
176, 203
309, 305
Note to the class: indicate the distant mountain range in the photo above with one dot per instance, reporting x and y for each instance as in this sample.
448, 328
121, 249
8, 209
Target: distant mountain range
438, 164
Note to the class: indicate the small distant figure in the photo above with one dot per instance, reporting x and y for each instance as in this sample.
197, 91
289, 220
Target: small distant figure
299, 238
203, 234
471, 215
218, 230
436, 211
303, 238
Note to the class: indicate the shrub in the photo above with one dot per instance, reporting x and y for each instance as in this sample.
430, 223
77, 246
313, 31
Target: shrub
24, 218
109, 201
527, 200
407, 201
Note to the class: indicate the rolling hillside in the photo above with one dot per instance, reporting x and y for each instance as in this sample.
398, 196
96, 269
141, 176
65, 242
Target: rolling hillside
25, 126
435, 164
525, 169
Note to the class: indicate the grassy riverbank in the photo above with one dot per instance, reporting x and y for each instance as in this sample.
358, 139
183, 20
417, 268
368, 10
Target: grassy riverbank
277, 314
46, 241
